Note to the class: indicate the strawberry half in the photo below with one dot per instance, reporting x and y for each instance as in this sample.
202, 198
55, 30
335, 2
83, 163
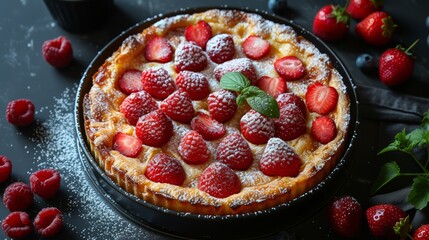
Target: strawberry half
257, 128
156, 170
222, 105
136, 105
219, 181
154, 129
279, 159
234, 151
376, 29
195, 84
209, 128
321, 98
255, 47
193, 148
382, 218
158, 50
331, 23
359, 9
272, 85
323, 129
396, 65
199, 33
178, 106
220, 48
157, 82
130, 82
345, 217
127, 145
290, 68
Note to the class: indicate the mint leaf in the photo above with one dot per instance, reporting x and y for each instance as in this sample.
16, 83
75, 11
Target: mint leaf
234, 81
250, 91
388, 172
419, 194
402, 143
240, 100
264, 104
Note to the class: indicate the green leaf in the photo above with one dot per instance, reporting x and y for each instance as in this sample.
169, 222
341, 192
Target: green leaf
425, 121
264, 104
418, 137
419, 194
234, 81
402, 227
251, 91
402, 143
240, 99
388, 172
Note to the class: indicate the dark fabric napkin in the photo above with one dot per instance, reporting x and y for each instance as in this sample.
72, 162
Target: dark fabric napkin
395, 108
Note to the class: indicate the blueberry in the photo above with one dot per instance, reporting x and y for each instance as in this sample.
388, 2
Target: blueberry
277, 6
365, 62
427, 21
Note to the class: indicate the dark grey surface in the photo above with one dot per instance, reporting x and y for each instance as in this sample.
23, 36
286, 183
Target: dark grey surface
25, 24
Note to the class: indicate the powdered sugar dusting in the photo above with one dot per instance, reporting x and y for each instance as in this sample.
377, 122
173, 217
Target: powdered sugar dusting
85, 211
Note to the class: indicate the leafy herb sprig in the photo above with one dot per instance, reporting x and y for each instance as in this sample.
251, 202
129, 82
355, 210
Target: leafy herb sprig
258, 99
407, 142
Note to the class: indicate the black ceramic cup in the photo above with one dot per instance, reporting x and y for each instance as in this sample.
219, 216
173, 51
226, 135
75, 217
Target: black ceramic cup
79, 16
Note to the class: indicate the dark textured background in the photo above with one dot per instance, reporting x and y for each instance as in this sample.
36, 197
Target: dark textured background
26, 24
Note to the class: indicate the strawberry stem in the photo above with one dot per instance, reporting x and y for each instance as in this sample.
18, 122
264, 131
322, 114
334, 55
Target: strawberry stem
412, 45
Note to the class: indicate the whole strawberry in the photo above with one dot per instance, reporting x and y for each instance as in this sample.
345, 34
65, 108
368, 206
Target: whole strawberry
331, 23
345, 217
385, 220
359, 9
396, 65
421, 233
376, 29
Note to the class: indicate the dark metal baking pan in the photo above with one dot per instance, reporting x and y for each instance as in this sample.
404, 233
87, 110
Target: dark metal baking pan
186, 225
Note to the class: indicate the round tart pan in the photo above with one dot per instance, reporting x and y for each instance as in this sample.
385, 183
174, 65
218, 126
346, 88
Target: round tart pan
186, 225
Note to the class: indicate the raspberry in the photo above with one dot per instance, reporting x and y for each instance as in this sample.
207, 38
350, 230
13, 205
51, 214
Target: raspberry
20, 112
222, 105
220, 48
17, 225
45, 183
291, 98
195, 84
136, 105
5, 168
193, 148
242, 65
191, 57
234, 151
218, 180
18, 197
48, 222
154, 129
58, 52
165, 169
257, 128
157, 82
178, 106
291, 123
279, 159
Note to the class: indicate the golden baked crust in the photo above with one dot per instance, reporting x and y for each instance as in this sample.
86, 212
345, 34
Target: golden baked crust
103, 119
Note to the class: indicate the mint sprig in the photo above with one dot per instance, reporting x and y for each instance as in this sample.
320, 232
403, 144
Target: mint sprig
257, 99
407, 143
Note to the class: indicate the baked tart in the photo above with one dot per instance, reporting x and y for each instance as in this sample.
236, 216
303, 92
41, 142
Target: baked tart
220, 112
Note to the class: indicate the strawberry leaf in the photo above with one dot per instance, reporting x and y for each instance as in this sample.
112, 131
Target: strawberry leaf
264, 104
419, 194
234, 81
402, 227
388, 172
